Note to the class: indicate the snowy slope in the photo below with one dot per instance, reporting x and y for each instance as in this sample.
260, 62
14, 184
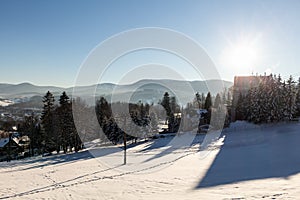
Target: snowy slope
254, 162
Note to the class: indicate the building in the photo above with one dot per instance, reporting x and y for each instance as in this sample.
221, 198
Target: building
14, 146
8, 148
241, 86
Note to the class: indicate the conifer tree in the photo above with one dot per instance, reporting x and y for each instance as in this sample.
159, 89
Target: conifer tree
298, 99
240, 108
208, 101
166, 104
198, 100
47, 121
65, 136
208, 107
217, 102
291, 98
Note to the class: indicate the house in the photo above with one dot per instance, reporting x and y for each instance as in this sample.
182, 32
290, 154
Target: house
14, 146
162, 126
8, 148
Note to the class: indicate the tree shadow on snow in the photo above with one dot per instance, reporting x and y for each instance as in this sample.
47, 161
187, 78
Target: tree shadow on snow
52, 160
173, 143
255, 154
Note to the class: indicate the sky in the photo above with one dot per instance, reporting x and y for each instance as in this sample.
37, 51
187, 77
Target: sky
46, 42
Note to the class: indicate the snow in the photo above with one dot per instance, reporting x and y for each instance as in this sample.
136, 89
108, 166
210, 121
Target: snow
5, 102
245, 163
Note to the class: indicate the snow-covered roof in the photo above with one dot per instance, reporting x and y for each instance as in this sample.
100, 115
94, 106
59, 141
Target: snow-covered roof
3, 142
200, 111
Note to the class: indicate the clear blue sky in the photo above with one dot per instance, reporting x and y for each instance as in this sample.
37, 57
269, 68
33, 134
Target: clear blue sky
45, 42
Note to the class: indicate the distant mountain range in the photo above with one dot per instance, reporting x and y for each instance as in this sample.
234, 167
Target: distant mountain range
144, 90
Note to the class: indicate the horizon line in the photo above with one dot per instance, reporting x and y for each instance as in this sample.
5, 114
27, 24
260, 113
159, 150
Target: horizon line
114, 83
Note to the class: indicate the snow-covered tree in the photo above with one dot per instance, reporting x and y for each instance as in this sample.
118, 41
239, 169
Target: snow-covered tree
298, 98
208, 101
217, 102
271, 101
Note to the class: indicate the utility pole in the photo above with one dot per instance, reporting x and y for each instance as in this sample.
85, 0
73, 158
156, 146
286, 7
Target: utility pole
9, 147
125, 141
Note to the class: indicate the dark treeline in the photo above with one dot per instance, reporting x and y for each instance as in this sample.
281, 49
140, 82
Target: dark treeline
172, 110
272, 100
138, 123
141, 122
143, 119
55, 130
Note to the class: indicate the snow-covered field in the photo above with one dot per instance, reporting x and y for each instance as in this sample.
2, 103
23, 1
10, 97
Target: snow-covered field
247, 162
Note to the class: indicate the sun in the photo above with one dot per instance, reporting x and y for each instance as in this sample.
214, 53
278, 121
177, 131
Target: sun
241, 55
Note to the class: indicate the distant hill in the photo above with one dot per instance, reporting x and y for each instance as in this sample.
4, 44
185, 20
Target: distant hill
144, 90
24, 90
153, 90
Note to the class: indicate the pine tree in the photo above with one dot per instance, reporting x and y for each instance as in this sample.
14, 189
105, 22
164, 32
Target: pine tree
208, 101
217, 102
166, 104
198, 100
291, 98
273, 100
85, 122
75, 141
240, 108
265, 115
259, 104
31, 128
279, 99
153, 122
65, 136
224, 93
174, 123
298, 99
251, 104
202, 100
47, 120
105, 119
208, 107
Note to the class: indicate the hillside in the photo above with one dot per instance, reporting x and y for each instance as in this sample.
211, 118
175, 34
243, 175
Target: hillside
246, 162
145, 90
24, 90
151, 91
27, 89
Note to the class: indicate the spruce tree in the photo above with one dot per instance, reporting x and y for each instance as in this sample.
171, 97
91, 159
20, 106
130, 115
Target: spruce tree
47, 121
166, 104
240, 108
65, 136
291, 98
207, 106
174, 121
105, 119
202, 100
279, 99
217, 102
198, 101
298, 99
208, 102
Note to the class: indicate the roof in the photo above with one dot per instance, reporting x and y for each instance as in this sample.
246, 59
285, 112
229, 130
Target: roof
200, 111
3, 142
